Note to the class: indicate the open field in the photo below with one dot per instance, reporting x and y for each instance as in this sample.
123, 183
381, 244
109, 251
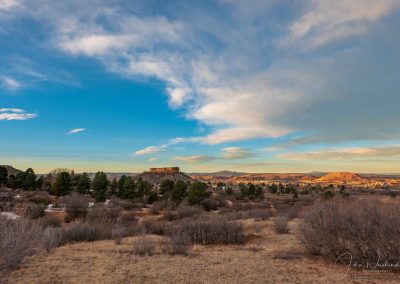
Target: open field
265, 258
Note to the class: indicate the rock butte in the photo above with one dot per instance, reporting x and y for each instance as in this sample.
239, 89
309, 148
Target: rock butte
165, 170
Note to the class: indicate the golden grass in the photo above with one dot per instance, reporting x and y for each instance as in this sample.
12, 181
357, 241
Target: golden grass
263, 259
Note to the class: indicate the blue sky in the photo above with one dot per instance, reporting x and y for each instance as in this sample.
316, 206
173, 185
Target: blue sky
257, 86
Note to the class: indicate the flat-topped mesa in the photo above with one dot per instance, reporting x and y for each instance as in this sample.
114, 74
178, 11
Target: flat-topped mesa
165, 170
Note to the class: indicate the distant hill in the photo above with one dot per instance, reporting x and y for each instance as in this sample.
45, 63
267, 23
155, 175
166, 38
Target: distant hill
11, 170
316, 174
340, 177
224, 173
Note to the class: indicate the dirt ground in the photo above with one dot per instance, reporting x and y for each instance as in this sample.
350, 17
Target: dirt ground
265, 258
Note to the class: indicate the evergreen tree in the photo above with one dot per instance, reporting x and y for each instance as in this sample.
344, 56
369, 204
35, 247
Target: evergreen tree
114, 187
197, 192
143, 187
29, 180
3, 176
63, 184
99, 186
179, 191
12, 182
83, 184
39, 183
166, 186
129, 189
121, 185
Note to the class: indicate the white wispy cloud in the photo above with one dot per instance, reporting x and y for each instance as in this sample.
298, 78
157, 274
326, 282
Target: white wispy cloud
332, 20
150, 150
15, 114
233, 153
9, 4
345, 153
229, 153
76, 130
195, 158
11, 84
152, 159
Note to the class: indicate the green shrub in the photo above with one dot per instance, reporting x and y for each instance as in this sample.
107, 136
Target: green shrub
197, 193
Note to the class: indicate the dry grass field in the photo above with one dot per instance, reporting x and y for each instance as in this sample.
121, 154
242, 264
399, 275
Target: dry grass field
266, 257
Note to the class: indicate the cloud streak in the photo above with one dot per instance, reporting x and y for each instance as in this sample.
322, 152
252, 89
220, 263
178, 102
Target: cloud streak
11, 84
15, 114
76, 130
229, 153
346, 153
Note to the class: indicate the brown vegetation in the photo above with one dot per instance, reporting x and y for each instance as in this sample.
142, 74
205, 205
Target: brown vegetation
369, 231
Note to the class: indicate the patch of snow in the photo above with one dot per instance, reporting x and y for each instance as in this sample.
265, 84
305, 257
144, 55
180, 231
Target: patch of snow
9, 215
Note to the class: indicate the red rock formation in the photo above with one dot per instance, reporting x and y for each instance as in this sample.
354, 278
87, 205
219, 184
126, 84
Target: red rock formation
165, 170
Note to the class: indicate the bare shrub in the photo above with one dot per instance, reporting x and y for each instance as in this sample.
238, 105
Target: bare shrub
18, 239
188, 212
281, 225
257, 228
258, 214
127, 218
76, 206
171, 215
39, 197
33, 211
161, 205
49, 221
295, 210
210, 204
51, 238
103, 214
86, 232
143, 245
282, 209
153, 227
183, 212
368, 230
125, 204
118, 233
213, 231
175, 243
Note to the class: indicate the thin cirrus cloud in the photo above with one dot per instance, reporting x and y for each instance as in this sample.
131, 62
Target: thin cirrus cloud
332, 20
150, 150
15, 114
195, 158
76, 130
11, 84
392, 151
229, 153
9, 4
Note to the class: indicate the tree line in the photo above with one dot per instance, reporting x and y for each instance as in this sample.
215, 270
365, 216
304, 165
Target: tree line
62, 182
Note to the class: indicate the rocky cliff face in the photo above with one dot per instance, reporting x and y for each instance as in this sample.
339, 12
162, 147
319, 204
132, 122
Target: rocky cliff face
165, 170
